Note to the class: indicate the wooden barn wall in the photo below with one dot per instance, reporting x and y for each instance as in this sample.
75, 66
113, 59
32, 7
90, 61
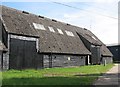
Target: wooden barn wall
0, 60
4, 37
107, 59
63, 61
23, 54
96, 54
95, 50
115, 50
5, 61
0, 31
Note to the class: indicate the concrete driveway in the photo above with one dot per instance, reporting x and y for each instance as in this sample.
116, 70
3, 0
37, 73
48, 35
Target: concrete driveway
111, 78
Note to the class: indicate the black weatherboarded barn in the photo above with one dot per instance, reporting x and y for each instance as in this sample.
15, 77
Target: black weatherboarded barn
38, 42
115, 50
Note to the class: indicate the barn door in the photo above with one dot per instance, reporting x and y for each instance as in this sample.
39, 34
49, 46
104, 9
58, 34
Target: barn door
96, 54
22, 54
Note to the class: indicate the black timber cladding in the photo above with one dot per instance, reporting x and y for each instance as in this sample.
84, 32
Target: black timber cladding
63, 60
23, 54
115, 50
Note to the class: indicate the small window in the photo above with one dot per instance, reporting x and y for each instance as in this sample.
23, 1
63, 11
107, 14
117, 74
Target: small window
92, 45
51, 29
60, 31
38, 26
69, 33
69, 58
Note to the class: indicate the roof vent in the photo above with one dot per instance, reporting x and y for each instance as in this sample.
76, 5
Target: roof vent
84, 28
40, 16
68, 24
25, 12
54, 20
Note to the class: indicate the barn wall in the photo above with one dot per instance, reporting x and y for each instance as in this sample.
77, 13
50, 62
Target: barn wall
107, 59
0, 32
5, 61
0, 60
4, 37
63, 61
96, 54
95, 51
39, 61
115, 51
6, 41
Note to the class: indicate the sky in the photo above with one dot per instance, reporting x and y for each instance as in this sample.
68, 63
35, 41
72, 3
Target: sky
98, 16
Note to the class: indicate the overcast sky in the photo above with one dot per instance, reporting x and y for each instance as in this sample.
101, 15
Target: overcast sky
99, 16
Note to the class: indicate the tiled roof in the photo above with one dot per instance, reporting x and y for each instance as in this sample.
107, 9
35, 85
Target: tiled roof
21, 22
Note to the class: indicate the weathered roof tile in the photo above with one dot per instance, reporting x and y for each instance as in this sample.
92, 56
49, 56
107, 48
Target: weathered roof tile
21, 23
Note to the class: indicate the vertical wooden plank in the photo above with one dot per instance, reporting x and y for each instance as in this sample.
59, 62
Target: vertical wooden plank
16, 54
39, 61
30, 54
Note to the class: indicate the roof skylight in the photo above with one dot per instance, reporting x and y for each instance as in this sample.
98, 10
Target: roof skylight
51, 29
69, 33
38, 26
94, 38
60, 31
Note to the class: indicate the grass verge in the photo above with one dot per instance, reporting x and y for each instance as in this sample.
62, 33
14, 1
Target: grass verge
84, 75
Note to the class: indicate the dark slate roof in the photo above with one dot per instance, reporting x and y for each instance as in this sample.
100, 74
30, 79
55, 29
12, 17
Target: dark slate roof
21, 22
88, 35
105, 51
17, 22
90, 38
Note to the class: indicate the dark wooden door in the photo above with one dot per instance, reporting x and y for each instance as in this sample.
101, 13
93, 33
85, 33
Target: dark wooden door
22, 54
96, 54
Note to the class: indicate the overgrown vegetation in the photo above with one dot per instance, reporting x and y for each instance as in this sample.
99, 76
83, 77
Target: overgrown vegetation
84, 75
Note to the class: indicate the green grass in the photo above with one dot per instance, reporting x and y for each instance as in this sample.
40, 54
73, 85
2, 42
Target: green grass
84, 75
0, 79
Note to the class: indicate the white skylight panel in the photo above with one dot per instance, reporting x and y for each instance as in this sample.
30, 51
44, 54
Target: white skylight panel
38, 26
94, 38
51, 29
69, 33
60, 31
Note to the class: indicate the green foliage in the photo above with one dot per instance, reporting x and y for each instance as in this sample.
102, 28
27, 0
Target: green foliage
83, 75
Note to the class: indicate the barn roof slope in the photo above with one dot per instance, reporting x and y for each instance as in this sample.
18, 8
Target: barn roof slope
88, 35
62, 38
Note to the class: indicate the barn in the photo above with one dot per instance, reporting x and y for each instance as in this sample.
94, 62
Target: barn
2, 50
115, 50
34, 41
